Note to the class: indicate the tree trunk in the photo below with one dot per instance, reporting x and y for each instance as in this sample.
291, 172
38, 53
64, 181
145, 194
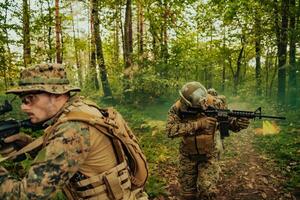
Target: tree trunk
267, 72
58, 33
116, 51
43, 24
26, 34
154, 32
223, 63
140, 30
292, 89
78, 65
164, 34
282, 48
99, 51
128, 35
236, 77
236, 74
258, 54
7, 61
93, 70
49, 52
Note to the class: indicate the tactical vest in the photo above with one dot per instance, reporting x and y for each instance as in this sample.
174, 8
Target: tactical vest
129, 175
203, 143
124, 181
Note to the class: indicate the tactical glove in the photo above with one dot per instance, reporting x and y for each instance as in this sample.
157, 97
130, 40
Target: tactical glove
19, 140
206, 123
242, 123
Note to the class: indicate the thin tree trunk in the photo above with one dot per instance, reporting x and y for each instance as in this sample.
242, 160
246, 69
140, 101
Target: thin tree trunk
223, 64
128, 35
93, 71
267, 68
122, 33
116, 52
236, 77
49, 52
292, 89
236, 74
153, 30
100, 57
43, 23
26, 34
140, 30
282, 48
274, 75
258, 54
58, 33
8, 63
164, 34
78, 65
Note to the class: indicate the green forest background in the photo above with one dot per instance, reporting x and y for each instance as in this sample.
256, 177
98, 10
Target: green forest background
136, 54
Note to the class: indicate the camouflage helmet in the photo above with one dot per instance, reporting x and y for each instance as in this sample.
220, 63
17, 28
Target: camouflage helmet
193, 93
50, 78
212, 92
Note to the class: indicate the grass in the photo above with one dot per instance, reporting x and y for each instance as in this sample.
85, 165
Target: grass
284, 148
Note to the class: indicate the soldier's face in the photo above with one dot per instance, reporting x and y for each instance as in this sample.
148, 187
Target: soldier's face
39, 107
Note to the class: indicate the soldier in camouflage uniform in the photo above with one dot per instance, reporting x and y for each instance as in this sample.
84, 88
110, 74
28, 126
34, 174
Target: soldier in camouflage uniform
72, 154
200, 146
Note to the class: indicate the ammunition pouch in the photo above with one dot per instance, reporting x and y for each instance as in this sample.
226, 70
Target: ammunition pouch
201, 144
110, 185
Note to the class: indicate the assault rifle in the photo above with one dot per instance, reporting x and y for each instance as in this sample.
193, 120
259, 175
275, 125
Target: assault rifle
11, 127
222, 115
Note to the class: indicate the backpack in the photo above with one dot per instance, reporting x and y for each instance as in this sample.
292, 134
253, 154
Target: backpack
124, 141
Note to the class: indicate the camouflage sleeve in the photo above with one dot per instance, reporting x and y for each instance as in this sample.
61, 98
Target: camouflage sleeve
53, 166
176, 127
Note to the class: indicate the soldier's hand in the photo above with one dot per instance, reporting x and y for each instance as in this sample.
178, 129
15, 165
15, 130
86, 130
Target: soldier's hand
19, 140
242, 123
7, 150
206, 123
3, 171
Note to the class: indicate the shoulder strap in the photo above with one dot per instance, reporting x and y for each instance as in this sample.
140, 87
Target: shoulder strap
104, 124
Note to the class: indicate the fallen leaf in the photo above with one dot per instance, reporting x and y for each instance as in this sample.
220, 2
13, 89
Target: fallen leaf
263, 179
264, 195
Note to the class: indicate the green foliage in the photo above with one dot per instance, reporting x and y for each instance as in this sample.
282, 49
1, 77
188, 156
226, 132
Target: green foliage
155, 186
59, 196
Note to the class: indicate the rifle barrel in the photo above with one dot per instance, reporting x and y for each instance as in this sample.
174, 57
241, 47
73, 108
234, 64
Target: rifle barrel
273, 117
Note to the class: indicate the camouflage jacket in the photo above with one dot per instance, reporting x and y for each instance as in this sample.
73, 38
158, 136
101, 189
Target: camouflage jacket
74, 147
194, 141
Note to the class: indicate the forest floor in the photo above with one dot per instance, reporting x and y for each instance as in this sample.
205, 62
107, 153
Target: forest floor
246, 173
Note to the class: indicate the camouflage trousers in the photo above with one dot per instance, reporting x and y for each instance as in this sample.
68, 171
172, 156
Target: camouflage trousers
198, 176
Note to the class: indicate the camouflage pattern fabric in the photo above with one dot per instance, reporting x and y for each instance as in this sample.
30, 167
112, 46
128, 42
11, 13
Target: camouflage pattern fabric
50, 78
68, 151
198, 174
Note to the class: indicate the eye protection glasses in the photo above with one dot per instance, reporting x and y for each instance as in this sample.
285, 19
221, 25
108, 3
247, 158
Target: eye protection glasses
30, 99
